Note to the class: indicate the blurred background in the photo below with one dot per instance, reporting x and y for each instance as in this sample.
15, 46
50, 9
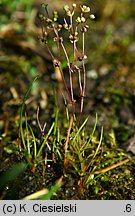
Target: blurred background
110, 48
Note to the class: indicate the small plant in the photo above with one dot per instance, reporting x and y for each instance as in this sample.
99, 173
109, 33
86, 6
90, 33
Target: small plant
32, 147
76, 27
77, 151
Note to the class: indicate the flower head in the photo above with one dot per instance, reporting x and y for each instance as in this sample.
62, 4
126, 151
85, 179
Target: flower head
85, 28
68, 11
73, 37
66, 8
85, 9
66, 26
44, 5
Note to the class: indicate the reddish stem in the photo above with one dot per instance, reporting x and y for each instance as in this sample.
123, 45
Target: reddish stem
84, 78
70, 79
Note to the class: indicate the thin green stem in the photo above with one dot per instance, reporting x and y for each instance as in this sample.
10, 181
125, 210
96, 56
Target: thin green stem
34, 141
44, 142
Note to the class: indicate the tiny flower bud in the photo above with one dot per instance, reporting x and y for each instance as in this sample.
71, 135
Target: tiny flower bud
66, 8
48, 21
55, 16
59, 27
69, 13
44, 5
56, 63
85, 57
41, 17
65, 26
73, 37
92, 16
55, 39
74, 5
84, 28
61, 39
83, 19
78, 20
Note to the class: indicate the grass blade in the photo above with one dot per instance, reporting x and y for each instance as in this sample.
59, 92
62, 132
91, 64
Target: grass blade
34, 141
81, 127
22, 111
44, 142
36, 195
